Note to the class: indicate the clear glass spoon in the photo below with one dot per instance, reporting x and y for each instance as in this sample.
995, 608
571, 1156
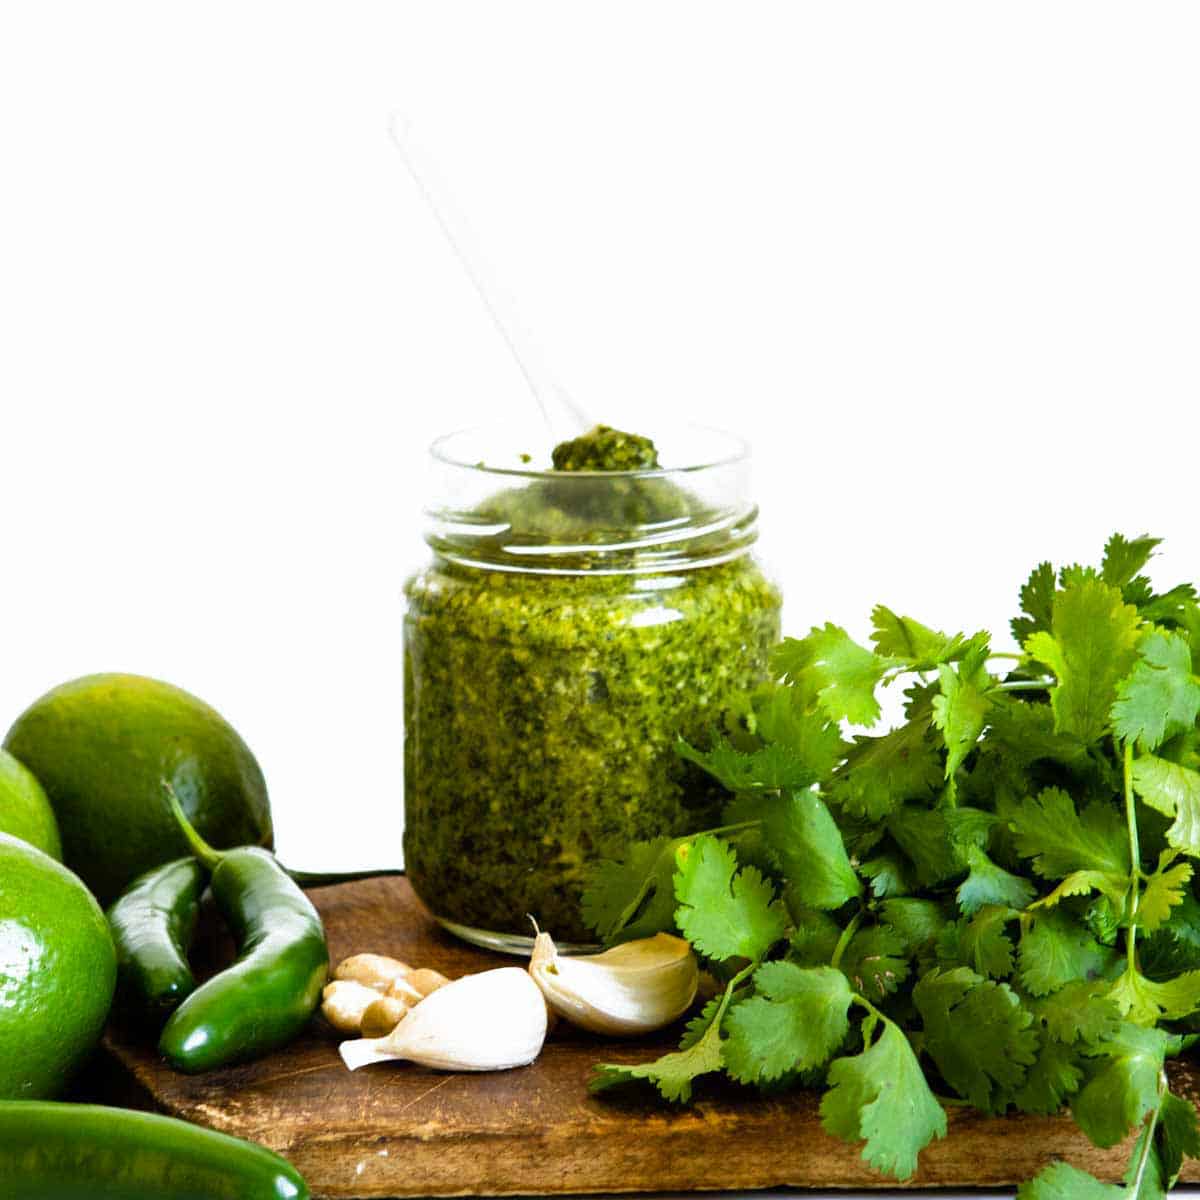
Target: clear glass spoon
564, 418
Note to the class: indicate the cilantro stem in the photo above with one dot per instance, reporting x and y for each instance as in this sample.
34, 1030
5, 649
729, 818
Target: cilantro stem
1135, 858
1007, 654
1135, 1188
1025, 685
844, 940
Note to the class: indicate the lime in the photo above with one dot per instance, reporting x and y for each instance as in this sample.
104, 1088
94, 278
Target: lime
102, 746
24, 810
57, 971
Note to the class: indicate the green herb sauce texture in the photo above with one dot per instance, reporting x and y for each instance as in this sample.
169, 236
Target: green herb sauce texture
542, 711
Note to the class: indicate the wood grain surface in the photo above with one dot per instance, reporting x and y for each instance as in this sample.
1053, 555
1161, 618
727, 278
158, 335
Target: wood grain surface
395, 1130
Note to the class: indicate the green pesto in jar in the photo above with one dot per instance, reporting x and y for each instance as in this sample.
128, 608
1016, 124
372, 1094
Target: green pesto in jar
541, 710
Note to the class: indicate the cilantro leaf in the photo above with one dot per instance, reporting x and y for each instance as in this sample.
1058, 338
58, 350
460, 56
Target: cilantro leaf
923, 648
831, 669
961, 709
980, 943
1175, 792
1125, 557
1174, 609
1056, 950
978, 1033
1165, 889
723, 912
875, 962
889, 872
810, 852
1161, 696
986, 883
916, 922
1124, 1088
1146, 1001
1114, 891
699, 1025
1061, 1181
1054, 1076
634, 898
1175, 946
766, 768
782, 719
881, 773
1080, 1011
1180, 1135
674, 1073
1061, 840
1090, 650
814, 938
1037, 603
796, 1020
924, 834
881, 1096
1022, 733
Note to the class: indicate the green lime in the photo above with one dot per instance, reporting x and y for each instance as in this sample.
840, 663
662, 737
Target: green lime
102, 747
57, 971
24, 810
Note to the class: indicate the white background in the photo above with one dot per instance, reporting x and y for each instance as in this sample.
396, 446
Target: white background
939, 262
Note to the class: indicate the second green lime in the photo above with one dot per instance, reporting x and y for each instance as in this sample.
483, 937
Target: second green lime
25, 811
102, 746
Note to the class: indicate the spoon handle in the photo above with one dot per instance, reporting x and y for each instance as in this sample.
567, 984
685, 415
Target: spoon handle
562, 415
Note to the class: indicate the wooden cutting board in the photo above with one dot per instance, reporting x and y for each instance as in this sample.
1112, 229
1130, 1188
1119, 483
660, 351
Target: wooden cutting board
395, 1130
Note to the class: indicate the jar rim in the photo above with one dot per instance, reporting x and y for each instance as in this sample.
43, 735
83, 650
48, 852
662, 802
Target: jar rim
736, 449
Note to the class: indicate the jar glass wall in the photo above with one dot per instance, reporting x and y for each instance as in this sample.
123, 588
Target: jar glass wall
570, 627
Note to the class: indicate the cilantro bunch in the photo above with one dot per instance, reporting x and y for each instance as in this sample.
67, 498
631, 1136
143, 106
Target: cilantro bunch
991, 903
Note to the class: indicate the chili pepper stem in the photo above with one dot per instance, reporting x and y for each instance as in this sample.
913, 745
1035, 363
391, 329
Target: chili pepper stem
199, 847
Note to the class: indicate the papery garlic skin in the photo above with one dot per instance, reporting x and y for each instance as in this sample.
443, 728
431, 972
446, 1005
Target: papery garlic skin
491, 1021
633, 988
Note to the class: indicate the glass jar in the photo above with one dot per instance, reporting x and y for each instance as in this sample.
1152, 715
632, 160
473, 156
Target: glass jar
570, 627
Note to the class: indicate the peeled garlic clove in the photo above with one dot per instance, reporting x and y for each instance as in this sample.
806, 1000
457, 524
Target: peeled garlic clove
377, 971
382, 1016
486, 1022
402, 989
427, 981
343, 1003
633, 988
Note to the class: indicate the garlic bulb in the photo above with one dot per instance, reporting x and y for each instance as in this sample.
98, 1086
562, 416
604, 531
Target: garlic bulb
636, 987
486, 1022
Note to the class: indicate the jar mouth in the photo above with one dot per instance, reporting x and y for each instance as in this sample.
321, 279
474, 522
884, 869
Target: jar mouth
490, 510
505, 451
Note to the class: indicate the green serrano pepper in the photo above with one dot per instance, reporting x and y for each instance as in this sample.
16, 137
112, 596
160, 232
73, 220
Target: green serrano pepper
269, 993
59, 1151
152, 925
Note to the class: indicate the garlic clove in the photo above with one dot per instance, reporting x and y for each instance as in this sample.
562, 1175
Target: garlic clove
636, 987
377, 971
491, 1021
426, 981
381, 1017
343, 1003
402, 989
362, 1052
